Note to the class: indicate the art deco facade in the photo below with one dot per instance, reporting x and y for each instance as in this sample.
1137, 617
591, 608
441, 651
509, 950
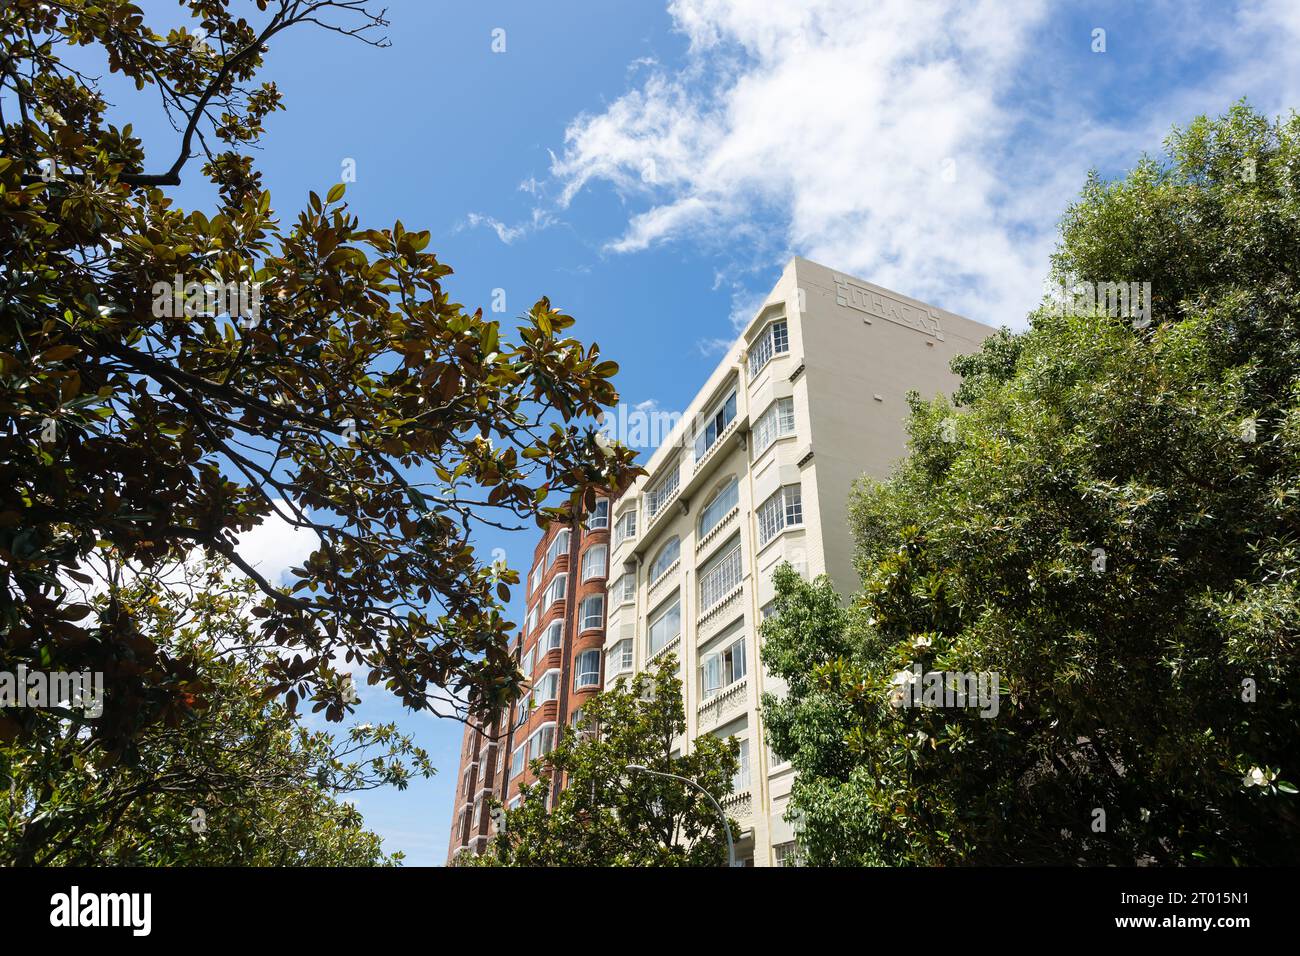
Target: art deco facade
810, 398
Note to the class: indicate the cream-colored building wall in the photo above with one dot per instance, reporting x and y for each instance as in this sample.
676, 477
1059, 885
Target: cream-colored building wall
849, 342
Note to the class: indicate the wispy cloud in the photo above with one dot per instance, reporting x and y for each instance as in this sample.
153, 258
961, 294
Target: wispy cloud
926, 146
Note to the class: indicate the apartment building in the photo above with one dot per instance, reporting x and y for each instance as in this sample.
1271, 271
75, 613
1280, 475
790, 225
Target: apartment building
560, 651
758, 472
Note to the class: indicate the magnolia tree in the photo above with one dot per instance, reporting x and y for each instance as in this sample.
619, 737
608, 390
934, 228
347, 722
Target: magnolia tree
170, 377
1109, 528
608, 814
238, 781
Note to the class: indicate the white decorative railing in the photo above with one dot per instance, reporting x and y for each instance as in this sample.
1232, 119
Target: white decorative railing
724, 702
668, 575
663, 493
712, 534
670, 646
717, 443
717, 583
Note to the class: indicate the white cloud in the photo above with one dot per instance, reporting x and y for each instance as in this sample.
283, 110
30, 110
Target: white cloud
274, 546
929, 147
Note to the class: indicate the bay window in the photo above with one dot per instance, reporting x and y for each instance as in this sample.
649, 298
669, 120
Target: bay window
720, 576
595, 562
776, 422
599, 517
588, 670
559, 546
775, 340
558, 588
783, 510
591, 613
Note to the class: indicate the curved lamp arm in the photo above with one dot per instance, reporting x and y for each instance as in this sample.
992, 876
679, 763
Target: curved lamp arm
726, 825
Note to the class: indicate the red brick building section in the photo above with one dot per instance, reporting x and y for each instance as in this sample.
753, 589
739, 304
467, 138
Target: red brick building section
559, 650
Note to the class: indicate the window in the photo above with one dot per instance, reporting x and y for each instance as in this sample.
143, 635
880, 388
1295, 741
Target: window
599, 517
665, 559
595, 562
783, 510
722, 668
517, 762
536, 581
551, 638
720, 577
588, 670
662, 492
591, 614
786, 854
543, 742
666, 625
523, 708
531, 621
775, 340
514, 803
559, 546
776, 422
714, 425
619, 658
717, 509
547, 688
625, 527
624, 589
557, 590
741, 780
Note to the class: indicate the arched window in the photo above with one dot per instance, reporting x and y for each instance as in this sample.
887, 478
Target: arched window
664, 559
720, 506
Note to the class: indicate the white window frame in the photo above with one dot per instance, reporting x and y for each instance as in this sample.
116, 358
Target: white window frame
541, 741
599, 516
589, 570
530, 622
661, 613
535, 580
721, 668
720, 576
717, 421
557, 549
777, 421
548, 683
552, 638
774, 341
585, 617
731, 490
740, 781
518, 761
579, 672
658, 569
664, 489
619, 657
557, 590
783, 509
625, 526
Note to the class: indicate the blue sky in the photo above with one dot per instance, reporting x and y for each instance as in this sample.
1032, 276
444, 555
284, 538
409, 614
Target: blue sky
650, 166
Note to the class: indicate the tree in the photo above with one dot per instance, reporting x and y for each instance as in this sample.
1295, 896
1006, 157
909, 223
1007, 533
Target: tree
239, 781
608, 815
1110, 527
168, 378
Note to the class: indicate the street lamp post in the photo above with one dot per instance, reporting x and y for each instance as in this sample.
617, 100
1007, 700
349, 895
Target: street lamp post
726, 826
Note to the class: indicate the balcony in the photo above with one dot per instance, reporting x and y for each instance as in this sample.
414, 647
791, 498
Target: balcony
729, 701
